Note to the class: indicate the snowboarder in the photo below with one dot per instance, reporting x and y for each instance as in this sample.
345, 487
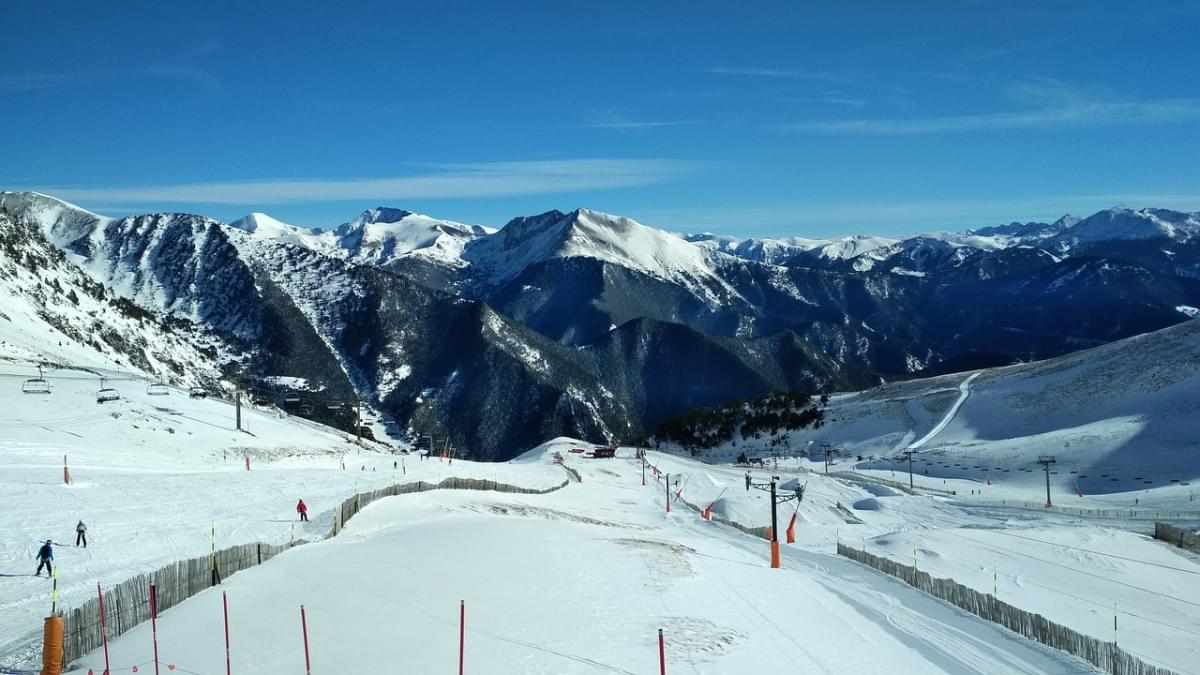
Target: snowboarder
45, 556
81, 534
302, 509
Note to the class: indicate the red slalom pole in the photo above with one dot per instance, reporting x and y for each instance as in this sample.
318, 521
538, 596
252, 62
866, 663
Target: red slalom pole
462, 630
103, 628
154, 623
304, 627
662, 655
228, 661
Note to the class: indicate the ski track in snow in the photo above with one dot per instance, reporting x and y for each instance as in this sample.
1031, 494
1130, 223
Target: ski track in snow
964, 393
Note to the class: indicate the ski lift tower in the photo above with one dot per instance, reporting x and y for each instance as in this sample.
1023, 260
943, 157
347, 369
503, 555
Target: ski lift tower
1046, 461
908, 453
777, 499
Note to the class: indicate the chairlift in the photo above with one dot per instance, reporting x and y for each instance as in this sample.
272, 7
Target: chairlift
198, 392
333, 405
291, 397
107, 394
36, 385
306, 410
158, 389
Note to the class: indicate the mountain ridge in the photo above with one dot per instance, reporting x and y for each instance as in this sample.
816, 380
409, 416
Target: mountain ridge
632, 323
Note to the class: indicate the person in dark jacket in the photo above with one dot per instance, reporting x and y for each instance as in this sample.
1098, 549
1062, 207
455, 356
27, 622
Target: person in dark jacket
81, 534
302, 509
45, 556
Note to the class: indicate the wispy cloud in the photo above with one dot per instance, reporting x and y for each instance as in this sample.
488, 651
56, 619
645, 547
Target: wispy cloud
494, 179
189, 74
1051, 103
785, 73
17, 82
20, 82
610, 119
834, 219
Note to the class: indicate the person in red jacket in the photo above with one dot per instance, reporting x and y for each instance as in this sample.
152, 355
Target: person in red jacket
302, 509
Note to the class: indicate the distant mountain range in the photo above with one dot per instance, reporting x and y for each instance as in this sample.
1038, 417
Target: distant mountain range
593, 325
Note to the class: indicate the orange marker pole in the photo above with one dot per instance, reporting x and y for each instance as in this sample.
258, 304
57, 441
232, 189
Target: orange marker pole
791, 530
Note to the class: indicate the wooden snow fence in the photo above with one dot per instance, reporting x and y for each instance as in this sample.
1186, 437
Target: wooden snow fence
1178, 536
1106, 656
353, 505
128, 603
1122, 514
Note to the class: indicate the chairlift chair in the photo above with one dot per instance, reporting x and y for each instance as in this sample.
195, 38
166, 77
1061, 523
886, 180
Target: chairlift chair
291, 397
107, 394
198, 392
36, 385
158, 389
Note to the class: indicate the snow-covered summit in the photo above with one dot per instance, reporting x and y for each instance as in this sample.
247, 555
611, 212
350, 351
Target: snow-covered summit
262, 226
582, 233
61, 222
1125, 224
380, 235
769, 251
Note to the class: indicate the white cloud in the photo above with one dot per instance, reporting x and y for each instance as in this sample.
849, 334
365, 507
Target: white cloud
834, 219
494, 179
1076, 113
611, 119
788, 73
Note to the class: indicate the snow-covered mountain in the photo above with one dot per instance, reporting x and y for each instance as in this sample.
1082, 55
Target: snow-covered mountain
599, 325
380, 236
262, 226
527, 241
53, 312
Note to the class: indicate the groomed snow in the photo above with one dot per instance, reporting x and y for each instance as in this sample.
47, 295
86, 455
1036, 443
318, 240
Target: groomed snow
577, 581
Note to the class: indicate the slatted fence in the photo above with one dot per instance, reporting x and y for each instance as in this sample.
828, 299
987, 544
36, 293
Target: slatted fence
128, 604
1106, 656
1182, 538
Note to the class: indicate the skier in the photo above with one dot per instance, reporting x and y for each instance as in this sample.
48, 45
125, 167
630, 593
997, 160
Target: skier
302, 509
45, 556
81, 534
747, 481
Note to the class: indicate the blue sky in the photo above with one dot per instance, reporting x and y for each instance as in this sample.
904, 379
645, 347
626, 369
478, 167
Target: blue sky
791, 118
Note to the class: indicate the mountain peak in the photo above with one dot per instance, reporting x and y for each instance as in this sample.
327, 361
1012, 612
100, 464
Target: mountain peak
584, 233
60, 221
380, 214
383, 234
1122, 223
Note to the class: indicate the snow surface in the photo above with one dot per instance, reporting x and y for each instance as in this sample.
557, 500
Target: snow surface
576, 581
579, 581
1119, 419
151, 473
